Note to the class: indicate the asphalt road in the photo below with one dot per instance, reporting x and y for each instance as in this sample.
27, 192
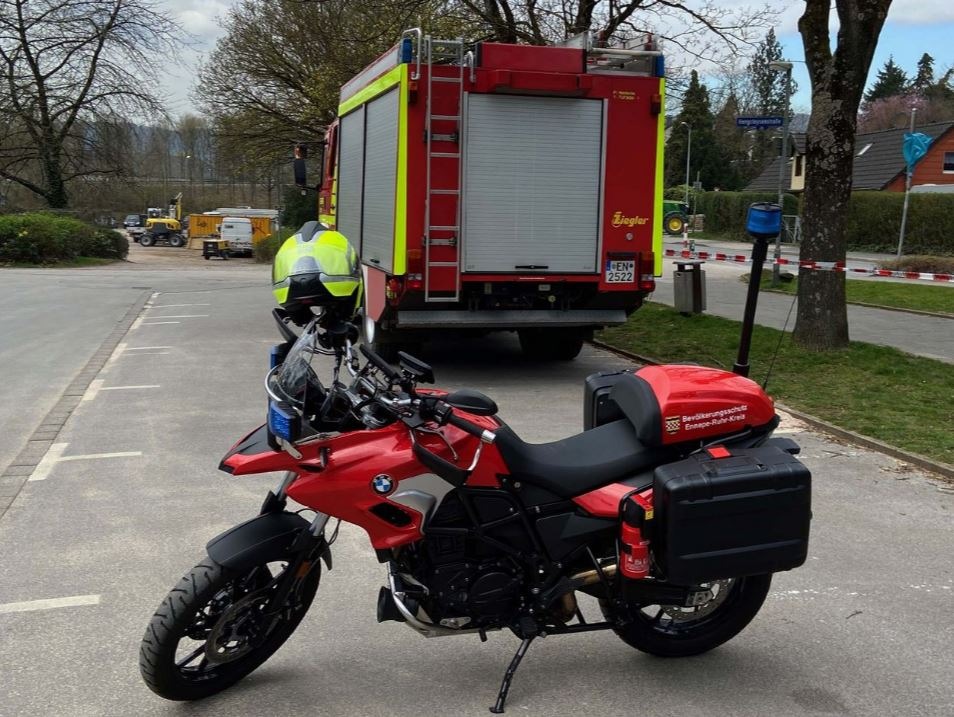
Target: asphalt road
864, 628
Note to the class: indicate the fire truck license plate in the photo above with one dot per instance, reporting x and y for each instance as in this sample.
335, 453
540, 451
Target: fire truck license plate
620, 272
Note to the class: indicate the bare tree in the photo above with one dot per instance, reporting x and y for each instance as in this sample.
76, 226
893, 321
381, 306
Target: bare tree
702, 30
838, 80
274, 78
67, 66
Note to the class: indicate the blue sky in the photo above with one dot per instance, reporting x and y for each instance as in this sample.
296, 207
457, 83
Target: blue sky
912, 29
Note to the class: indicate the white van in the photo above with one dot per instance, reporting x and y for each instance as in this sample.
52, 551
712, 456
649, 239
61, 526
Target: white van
238, 232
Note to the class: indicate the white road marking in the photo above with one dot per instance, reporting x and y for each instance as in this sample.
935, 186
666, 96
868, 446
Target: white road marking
145, 307
91, 456
93, 389
156, 323
149, 353
170, 306
146, 348
55, 455
180, 316
49, 459
117, 352
123, 388
49, 603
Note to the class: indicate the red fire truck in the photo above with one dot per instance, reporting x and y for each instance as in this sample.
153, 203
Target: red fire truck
491, 186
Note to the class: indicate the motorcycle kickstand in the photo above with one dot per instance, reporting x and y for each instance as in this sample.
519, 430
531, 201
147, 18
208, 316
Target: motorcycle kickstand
498, 708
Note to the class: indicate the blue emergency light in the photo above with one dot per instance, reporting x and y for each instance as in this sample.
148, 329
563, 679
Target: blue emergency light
283, 422
764, 220
407, 50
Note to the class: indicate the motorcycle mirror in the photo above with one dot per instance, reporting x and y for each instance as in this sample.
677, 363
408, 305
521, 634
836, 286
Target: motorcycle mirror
420, 371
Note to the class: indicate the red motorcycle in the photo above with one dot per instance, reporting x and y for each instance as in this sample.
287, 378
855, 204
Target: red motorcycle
673, 508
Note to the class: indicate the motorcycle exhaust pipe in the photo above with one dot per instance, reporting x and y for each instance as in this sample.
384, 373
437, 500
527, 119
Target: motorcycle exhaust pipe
591, 577
387, 608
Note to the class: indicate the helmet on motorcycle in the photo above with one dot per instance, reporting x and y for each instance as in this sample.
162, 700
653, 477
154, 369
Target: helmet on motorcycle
317, 266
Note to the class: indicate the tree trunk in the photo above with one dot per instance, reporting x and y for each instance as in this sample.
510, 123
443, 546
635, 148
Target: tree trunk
822, 319
838, 79
54, 186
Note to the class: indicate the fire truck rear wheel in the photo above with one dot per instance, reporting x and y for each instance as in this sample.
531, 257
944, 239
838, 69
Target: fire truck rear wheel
386, 345
551, 344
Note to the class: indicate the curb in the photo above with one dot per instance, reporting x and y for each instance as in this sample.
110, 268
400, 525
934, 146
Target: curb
21, 468
944, 470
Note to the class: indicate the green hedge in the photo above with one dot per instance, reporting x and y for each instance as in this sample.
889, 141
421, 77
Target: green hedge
725, 211
874, 223
48, 239
265, 250
874, 219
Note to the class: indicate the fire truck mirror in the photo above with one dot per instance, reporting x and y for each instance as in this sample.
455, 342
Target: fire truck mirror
301, 175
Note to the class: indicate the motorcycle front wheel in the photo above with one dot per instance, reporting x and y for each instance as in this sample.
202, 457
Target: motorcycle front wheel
669, 631
211, 630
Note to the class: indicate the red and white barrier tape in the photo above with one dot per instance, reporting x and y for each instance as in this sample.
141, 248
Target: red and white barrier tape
836, 266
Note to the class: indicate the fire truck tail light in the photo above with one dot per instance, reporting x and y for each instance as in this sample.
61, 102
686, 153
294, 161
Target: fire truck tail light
655, 104
415, 282
647, 280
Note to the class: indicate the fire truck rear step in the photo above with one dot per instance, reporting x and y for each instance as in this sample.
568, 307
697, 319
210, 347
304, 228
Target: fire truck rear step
507, 318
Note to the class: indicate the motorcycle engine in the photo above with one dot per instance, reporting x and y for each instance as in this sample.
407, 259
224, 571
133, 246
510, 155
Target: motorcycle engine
465, 577
487, 592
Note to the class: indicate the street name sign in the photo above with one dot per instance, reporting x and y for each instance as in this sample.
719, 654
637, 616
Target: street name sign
759, 122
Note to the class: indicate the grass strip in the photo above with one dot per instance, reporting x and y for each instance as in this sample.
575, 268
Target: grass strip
938, 299
906, 401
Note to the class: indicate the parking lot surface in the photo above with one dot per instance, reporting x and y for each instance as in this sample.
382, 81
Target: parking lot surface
863, 628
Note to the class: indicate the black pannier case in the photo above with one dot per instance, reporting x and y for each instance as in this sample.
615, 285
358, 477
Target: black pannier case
744, 514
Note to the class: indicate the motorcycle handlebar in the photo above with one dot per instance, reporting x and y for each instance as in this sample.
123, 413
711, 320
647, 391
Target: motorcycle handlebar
471, 428
379, 363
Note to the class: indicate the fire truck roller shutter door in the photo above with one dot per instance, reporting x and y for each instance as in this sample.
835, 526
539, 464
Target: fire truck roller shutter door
351, 175
532, 183
380, 179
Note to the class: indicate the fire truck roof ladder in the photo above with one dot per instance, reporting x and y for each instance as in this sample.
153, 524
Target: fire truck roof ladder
447, 53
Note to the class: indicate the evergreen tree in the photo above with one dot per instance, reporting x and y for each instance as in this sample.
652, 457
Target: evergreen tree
767, 86
733, 145
706, 160
890, 82
766, 96
925, 76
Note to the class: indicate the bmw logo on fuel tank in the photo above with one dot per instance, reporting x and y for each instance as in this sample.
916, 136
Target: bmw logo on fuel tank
382, 483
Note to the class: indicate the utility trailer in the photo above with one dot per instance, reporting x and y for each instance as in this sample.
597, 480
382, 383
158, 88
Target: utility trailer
492, 186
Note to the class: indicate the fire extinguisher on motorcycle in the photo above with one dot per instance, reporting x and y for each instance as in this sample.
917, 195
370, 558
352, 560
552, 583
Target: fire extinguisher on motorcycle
673, 508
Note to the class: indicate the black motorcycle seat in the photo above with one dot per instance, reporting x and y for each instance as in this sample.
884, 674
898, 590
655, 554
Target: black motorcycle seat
577, 464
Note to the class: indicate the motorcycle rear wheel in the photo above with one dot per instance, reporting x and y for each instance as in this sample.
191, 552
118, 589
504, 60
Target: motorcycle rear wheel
682, 632
213, 603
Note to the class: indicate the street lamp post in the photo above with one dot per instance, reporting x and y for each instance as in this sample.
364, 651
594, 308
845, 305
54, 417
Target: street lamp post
786, 67
909, 171
685, 226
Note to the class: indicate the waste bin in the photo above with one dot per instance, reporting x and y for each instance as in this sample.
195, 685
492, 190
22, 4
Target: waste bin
689, 286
